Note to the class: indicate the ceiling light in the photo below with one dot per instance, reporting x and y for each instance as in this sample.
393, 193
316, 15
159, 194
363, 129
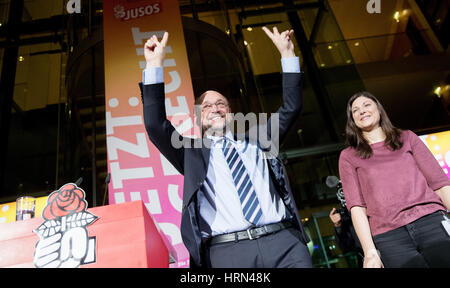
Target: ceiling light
437, 91
356, 44
21, 59
249, 29
330, 47
397, 16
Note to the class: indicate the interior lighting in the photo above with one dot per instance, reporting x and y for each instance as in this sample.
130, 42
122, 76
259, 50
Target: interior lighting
437, 91
397, 16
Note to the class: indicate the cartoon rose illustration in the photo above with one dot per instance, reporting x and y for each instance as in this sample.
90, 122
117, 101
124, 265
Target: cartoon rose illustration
68, 200
64, 240
119, 11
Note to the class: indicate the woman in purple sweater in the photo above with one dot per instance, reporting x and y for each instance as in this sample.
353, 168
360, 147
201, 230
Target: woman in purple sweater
396, 191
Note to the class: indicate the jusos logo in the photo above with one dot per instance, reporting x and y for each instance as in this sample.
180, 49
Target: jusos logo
124, 14
63, 237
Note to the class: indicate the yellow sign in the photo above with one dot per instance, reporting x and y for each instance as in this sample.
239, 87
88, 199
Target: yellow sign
439, 145
8, 210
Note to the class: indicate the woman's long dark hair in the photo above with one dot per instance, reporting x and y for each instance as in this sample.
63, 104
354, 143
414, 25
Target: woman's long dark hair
354, 134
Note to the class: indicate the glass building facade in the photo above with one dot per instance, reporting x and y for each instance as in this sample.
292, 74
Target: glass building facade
53, 103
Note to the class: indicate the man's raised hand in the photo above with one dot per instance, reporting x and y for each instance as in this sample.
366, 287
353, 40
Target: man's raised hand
155, 51
282, 41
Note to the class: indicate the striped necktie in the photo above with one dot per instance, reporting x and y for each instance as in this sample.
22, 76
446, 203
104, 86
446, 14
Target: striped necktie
244, 186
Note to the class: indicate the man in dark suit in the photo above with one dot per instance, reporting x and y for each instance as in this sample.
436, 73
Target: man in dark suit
238, 209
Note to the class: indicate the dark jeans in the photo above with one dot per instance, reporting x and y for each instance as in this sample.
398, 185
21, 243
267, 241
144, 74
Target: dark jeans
421, 243
279, 250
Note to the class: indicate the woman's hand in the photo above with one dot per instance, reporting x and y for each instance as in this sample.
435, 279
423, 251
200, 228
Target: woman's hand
372, 259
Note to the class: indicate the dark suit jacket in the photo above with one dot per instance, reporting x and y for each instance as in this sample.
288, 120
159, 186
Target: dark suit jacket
193, 162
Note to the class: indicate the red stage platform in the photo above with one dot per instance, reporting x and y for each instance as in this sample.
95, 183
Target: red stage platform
126, 236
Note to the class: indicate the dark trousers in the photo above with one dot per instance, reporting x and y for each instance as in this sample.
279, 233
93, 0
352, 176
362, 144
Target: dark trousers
419, 244
279, 250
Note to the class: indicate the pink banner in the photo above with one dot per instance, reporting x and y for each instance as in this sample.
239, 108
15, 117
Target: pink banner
138, 170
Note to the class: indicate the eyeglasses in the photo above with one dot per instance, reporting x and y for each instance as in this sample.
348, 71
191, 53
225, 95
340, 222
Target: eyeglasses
218, 104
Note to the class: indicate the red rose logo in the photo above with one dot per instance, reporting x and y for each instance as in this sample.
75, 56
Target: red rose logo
67, 200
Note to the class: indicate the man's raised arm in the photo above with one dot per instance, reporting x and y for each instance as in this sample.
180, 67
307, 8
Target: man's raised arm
292, 86
160, 131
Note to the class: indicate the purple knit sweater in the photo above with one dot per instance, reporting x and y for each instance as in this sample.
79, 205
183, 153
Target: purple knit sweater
396, 187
